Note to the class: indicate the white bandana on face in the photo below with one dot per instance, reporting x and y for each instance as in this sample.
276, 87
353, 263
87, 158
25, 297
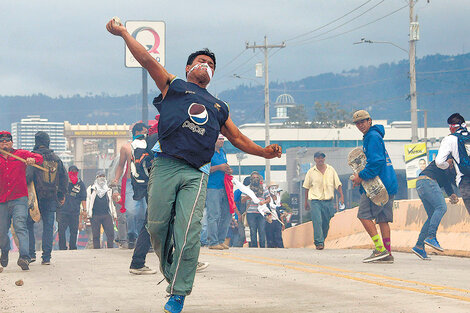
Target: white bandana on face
101, 186
203, 66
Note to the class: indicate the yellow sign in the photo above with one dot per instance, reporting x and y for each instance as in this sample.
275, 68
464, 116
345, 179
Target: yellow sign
414, 150
100, 133
415, 162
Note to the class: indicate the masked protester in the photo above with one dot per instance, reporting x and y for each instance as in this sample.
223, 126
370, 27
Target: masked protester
101, 210
256, 220
274, 226
68, 214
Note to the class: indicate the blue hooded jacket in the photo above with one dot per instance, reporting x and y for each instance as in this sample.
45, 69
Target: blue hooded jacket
378, 161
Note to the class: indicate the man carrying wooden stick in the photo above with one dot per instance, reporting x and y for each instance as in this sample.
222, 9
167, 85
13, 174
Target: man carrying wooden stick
14, 197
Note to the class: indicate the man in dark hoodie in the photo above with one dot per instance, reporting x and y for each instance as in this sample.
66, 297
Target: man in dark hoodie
378, 164
51, 188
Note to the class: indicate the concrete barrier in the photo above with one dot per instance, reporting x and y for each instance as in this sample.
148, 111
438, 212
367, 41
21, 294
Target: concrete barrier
346, 230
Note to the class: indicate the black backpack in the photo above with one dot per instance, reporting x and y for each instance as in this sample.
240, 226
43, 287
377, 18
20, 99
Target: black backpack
47, 182
463, 140
139, 167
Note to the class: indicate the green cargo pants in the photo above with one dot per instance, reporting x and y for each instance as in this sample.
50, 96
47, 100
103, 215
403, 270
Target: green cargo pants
177, 195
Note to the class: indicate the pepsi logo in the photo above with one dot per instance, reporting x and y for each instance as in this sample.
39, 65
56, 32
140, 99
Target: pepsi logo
198, 113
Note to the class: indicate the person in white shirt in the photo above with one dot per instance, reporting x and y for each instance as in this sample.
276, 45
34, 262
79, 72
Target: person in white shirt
459, 157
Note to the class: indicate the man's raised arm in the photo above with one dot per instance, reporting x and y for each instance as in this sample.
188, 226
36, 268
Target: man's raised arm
158, 73
245, 144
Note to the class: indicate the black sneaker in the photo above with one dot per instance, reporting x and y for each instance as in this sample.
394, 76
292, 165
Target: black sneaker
23, 263
4, 258
46, 262
376, 255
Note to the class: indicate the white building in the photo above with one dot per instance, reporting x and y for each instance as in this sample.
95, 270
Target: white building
397, 134
23, 133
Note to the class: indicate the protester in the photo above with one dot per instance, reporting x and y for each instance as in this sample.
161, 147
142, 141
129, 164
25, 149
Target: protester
51, 187
101, 210
69, 212
273, 224
135, 209
254, 217
241, 207
14, 198
428, 185
121, 237
457, 145
378, 164
320, 184
217, 206
187, 131
141, 162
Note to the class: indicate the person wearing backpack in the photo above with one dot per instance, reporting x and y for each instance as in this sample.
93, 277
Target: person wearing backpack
135, 209
457, 145
141, 162
51, 187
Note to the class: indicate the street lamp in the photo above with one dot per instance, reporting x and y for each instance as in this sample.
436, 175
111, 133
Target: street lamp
363, 40
240, 157
299, 156
414, 36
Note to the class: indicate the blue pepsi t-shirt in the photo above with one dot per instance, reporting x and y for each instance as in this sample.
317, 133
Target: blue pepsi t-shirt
190, 122
216, 179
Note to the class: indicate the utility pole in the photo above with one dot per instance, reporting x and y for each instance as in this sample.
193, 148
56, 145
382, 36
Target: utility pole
266, 48
145, 106
414, 36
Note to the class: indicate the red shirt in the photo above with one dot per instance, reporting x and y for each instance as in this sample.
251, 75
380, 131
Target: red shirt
13, 175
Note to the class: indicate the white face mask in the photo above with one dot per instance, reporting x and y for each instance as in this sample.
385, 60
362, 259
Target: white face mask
203, 66
273, 189
101, 181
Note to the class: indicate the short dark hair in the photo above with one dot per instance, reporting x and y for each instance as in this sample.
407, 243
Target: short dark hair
455, 118
205, 51
138, 127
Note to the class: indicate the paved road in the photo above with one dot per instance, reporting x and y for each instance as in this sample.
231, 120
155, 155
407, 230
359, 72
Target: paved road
243, 280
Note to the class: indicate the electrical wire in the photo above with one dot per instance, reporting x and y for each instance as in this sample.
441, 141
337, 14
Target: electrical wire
327, 24
351, 30
341, 25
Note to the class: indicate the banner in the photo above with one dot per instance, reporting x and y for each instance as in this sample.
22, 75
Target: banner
415, 162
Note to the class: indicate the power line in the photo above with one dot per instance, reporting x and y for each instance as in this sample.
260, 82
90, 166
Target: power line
338, 88
327, 24
229, 72
347, 22
446, 71
354, 29
232, 60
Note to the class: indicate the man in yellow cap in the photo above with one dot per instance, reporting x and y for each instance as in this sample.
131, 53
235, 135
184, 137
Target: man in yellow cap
378, 164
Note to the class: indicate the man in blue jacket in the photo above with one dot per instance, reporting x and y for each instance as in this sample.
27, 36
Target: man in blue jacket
378, 164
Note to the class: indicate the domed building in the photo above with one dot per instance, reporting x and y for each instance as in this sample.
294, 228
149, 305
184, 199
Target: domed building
282, 105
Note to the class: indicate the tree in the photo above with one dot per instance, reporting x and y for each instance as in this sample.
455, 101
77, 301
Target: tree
329, 115
297, 117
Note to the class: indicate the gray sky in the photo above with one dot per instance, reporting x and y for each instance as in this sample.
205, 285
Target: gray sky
62, 47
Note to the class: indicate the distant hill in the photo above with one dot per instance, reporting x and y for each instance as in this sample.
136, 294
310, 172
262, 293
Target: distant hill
442, 84
443, 87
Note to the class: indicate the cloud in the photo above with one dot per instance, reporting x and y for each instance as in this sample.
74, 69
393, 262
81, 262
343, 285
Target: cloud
62, 48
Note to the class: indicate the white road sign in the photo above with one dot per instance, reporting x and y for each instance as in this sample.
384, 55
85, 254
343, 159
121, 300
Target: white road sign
151, 35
